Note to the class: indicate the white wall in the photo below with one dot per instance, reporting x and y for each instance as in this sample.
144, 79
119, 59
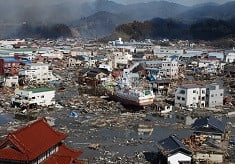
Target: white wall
12, 80
40, 98
230, 57
39, 73
192, 97
176, 158
170, 68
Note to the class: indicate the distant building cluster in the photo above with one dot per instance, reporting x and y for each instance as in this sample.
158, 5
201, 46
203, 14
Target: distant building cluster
182, 77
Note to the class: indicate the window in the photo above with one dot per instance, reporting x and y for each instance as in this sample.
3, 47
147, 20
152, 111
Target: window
183, 98
42, 96
221, 94
33, 97
212, 95
203, 98
178, 98
194, 98
203, 91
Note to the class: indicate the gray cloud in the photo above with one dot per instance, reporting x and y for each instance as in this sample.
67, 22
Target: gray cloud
40, 11
183, 2
59, 11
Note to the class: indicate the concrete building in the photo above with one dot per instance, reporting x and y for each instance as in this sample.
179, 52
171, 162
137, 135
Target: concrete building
167, 68
38, 73
190, 96
120, 59
214, 95
170, 69
33, 97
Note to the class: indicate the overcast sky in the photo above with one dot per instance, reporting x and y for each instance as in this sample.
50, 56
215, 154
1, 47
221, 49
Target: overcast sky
184, 2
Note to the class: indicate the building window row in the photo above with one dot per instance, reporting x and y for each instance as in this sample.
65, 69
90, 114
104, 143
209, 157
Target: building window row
180, 98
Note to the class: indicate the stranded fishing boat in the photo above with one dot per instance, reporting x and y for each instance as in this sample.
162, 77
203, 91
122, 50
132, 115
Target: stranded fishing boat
132, 96
130, 90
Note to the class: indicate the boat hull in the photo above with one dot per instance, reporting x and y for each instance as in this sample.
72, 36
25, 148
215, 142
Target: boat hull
127, 101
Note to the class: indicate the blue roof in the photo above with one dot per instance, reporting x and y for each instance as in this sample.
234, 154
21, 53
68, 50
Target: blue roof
211, 121
13, 60
173, 57
172, 143
10, 60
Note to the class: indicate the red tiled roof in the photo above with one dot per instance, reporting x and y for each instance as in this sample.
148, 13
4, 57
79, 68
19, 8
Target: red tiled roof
28, 143
64, 156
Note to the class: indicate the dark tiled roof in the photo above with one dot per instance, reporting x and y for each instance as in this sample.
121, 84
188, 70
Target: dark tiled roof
172, 143
211, 121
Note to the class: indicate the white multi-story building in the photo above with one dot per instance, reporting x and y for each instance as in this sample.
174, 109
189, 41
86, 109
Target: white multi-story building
121, 58
214, 95
190, 95
170, 69
33, 97
39, 73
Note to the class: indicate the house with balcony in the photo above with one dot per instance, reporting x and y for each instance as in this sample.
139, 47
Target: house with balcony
37, 143
190, 96
32, 97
